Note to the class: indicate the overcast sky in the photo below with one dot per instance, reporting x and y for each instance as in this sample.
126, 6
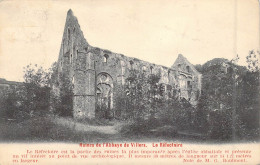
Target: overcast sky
155, 31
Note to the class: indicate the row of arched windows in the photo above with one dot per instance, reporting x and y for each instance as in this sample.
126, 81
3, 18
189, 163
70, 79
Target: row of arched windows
187, 68
144, 68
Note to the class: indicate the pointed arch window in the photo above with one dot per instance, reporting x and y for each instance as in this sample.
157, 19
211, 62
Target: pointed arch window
105, 58
71, 58
77, 53
144, 68
179, 66
73, 80
188, 69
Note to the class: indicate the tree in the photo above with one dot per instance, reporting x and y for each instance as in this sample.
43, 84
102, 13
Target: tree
136, 89
64, 104
248, 97
154, 94
29, 98
36, 75
61, 98
202, 113
36, 89
230, 96
10, 103
253, 61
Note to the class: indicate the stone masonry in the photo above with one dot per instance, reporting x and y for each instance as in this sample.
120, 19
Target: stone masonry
94, 73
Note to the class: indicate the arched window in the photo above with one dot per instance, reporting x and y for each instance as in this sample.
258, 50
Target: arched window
179, 66
188, 69
77, 52
105, 58
151, 69
68, 35
182, 81
228, 69
73, 80
144, 68
71, 58
189, 84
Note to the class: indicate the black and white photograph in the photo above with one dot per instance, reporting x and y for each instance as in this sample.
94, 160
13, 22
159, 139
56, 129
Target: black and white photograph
171, 72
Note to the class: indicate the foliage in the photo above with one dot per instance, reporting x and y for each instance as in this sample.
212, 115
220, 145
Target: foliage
253, 61
62, 93
48, 128
228, 106
121, 103
37, 76
36, 90
143, 94
64, 102
229, 103
10, 103
151, 107
29, 98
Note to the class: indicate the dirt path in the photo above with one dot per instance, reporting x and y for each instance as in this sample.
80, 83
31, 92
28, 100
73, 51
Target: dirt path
111, 130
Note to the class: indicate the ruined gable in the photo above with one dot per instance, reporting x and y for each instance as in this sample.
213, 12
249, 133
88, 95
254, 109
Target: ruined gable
188, 77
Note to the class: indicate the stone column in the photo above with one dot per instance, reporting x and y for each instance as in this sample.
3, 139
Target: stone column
84, 89
90, 99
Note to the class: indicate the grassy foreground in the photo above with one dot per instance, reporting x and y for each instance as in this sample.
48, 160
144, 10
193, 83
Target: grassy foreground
60, 129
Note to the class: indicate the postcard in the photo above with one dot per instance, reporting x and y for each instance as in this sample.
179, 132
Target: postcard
129, 82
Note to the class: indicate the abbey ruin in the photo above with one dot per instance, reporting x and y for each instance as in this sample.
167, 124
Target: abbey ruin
94, 73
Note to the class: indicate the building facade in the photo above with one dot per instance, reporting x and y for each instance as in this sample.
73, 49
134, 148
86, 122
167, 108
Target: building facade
94, 73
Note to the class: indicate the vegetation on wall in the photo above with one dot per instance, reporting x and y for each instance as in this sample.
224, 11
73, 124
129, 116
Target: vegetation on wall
29, 98
229, 103
228, 107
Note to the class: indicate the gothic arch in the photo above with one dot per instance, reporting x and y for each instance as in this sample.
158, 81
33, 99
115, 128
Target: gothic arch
104, 92
182, 81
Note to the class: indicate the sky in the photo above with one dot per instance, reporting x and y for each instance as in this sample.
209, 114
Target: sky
155, 31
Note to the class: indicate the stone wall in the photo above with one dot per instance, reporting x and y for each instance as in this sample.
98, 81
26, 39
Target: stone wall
94, 73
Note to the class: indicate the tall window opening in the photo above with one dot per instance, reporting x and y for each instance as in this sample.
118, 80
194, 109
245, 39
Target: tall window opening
182, 81
131, 64
188, 69
144, 68
105, 58
73, 80
179, 66
68, 35
151, 69
77, 52
71, 58
188, 84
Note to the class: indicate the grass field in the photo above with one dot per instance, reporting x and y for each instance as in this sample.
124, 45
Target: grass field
53, 129
59, 129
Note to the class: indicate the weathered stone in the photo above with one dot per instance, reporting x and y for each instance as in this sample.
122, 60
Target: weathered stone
95, 72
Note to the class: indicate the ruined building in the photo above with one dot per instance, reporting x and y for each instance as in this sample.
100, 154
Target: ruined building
94, 73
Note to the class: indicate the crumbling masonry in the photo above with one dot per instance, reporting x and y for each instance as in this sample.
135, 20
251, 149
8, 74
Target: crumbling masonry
94, 73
